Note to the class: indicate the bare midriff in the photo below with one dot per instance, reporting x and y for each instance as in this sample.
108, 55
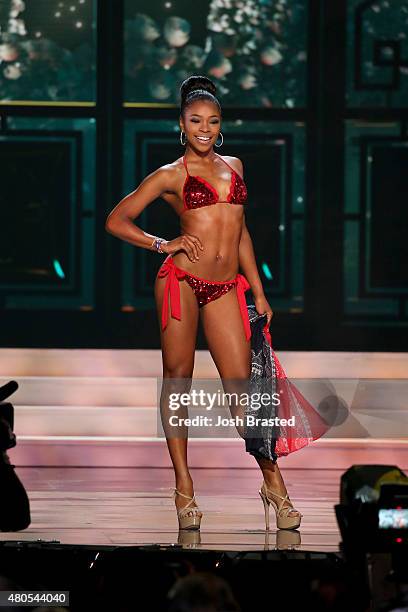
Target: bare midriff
219, 229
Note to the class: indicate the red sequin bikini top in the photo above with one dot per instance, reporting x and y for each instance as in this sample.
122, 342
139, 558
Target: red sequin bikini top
197, 192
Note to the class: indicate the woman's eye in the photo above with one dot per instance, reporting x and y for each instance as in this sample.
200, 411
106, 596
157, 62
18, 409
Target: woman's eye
212, 122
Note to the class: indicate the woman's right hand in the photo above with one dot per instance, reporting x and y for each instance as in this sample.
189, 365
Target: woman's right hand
186, 242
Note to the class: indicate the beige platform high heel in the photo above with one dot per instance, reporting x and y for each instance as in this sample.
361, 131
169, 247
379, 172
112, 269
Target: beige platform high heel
283, 520
185, 521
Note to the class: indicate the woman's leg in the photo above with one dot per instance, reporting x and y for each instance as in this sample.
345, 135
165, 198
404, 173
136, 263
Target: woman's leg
224, 331
231, 352
178, 342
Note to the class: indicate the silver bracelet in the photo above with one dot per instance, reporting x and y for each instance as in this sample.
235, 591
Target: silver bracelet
157, 242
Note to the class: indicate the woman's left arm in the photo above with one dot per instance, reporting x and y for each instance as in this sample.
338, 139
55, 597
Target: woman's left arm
247, 262
248, 265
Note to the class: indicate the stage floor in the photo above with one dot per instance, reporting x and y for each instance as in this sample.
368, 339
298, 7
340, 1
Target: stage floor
134, 506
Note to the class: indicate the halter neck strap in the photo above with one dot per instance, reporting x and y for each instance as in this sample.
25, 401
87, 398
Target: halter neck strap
230, 167
185, 164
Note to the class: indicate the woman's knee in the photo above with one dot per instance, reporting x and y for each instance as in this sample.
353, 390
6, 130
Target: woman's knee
178, 370
178, 378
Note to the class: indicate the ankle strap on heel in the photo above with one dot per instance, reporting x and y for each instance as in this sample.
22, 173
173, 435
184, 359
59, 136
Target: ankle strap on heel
186, 509
281, 509
177, 492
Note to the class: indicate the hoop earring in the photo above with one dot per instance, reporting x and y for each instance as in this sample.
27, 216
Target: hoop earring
181, 138
222, 140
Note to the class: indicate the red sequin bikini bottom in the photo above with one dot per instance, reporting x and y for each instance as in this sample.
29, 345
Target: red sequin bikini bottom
205, 291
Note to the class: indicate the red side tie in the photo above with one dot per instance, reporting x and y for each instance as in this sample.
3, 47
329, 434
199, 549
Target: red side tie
242, 286
173, 274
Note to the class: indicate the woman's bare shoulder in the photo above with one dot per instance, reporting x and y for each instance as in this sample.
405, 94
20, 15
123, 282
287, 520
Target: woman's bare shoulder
235, 162
171, 172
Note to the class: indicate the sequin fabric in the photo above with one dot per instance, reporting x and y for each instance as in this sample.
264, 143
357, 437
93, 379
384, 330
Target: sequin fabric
197, 192
238, 193
205, 291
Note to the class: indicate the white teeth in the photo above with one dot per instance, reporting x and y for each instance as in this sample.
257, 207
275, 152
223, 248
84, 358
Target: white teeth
203, 138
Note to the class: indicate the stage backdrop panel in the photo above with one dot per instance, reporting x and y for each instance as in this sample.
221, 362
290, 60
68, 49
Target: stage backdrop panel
377, 53
255, 51
48, 51
47, 203
375, 224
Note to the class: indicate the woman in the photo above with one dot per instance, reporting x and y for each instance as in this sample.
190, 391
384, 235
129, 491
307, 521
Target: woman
209, 195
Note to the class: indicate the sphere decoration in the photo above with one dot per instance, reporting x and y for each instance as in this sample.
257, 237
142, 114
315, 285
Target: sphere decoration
47, 50
254, 51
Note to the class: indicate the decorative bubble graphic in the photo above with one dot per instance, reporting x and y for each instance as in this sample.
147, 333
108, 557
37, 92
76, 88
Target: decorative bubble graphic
54, 61
254, 50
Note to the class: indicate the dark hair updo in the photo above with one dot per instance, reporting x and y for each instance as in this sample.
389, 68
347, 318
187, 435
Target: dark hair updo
197, 87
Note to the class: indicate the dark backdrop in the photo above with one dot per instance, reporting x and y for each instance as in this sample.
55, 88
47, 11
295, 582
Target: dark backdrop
323, 138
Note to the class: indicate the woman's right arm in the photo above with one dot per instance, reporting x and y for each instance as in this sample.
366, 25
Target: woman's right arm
119, 222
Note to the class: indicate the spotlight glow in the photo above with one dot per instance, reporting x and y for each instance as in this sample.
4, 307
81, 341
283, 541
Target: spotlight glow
266, 271
57, 267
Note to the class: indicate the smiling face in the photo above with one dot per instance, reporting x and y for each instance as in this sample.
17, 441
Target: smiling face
201, 122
